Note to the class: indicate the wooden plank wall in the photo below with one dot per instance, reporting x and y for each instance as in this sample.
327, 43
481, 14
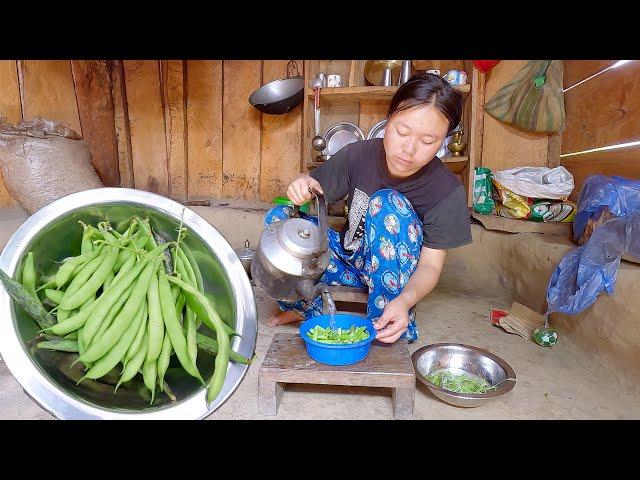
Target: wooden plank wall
601, 112
184, 129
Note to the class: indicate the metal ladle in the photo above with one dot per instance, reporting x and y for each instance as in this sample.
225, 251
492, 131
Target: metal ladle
318, 142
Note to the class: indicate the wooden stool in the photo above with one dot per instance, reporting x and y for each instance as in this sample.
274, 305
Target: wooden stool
287, 361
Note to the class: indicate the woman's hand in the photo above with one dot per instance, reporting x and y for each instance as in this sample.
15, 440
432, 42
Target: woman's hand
299, 189
393, 322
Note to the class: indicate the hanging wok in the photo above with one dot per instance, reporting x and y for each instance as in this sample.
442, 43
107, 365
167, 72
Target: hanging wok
279, 96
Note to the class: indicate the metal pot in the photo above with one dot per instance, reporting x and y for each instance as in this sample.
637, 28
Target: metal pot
279, 96
245, 254
53, 233
291, 256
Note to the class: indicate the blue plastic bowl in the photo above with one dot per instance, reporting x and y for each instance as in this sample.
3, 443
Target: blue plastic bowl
338, 354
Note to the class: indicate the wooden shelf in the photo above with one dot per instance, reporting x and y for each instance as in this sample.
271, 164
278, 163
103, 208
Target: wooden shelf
366, 93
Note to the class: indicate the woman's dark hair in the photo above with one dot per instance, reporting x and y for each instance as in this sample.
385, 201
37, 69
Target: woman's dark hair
428, 89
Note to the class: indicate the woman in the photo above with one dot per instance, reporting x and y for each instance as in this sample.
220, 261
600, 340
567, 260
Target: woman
406, 208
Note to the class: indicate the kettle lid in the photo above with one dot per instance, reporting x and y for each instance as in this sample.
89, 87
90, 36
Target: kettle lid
300, 237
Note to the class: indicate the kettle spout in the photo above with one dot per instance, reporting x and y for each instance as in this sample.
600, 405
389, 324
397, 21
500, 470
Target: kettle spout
309, 290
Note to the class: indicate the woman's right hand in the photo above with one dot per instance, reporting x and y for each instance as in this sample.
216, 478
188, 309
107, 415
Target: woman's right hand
299, 190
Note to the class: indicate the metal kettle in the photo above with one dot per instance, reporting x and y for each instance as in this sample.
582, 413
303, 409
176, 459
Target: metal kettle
292, 255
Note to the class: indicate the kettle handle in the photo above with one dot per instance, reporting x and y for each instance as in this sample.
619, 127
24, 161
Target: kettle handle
321, 203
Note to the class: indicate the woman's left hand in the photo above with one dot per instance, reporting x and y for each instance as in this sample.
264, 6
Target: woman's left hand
393, 322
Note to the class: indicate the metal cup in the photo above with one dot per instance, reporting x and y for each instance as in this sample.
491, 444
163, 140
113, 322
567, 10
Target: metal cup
405, 71
386, 77
323, 76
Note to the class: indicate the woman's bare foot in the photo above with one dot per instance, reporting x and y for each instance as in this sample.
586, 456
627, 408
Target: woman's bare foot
282, 318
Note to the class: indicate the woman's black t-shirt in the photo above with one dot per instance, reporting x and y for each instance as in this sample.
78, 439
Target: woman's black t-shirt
436, 194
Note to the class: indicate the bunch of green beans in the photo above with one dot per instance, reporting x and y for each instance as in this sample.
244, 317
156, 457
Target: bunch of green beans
123, 307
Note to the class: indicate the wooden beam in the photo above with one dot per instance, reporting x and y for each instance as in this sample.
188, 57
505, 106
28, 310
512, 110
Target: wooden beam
281, 141
146, 121
48, 91
121, 123
173, 90
95, 108
241, 130
204, 129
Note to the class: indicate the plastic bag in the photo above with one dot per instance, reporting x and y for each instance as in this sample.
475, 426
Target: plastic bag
482, 200
603, 197
592, 268
42, 160
537, 182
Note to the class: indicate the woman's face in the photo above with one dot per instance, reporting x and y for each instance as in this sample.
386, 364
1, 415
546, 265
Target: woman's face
412, 138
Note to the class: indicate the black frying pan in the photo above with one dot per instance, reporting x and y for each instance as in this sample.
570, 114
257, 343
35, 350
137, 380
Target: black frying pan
279, 96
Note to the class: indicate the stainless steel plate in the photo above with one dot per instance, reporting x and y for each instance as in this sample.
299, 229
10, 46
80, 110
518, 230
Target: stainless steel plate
340, 135
377, 131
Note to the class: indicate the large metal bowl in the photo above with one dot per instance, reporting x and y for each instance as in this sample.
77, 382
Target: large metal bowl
458, 358
53, 233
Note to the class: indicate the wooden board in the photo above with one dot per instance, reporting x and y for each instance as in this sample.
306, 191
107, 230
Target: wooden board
241, 130
9, 108
577, 70
204, 129
173, 91
121, 123
511, 225
372, 112
48, 91
603, 111
146, 121
624, 162
476, 132
287, 361
503, 146
281, 140
366, 93
443, 65
311, 68
95, 108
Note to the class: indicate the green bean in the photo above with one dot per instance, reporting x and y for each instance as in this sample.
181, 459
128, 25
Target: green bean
135, 345
135, 363
81, 278
128, 265
101, 306
123, 256
74, 266
108, 281
180, 303
194, 265
172, 326
71, 336
90, 287
23, 298
190, 273
29, 276
210, 345
149, 375
105, 364
164, 359
190, 319
200, 311
106, 323
86, 245
61, 345
81, 345
86, 304
63, 315
124, 318
156, 322
222, 358
54, 295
